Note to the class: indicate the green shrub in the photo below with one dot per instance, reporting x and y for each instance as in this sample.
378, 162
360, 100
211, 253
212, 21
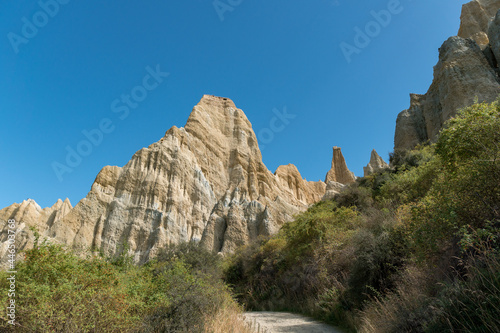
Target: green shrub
188, 297
375, 269
471, 303
403, 160
411, 185
356, 197
59, 292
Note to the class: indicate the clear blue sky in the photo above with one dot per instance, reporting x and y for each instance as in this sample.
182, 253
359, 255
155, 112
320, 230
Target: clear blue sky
263, 55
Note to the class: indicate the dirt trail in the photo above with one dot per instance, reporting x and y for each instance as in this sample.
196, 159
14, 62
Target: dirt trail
278, 322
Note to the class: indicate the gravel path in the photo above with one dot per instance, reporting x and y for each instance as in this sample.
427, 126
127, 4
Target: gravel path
278, 322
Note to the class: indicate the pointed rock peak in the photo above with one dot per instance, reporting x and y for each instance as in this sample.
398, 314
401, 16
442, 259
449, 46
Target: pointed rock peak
32, 203
67, 203
209, 109
216, 101
216, 121
290, 168
60, 205
57, 204
339, 171
376, 163
374, 156
218, 115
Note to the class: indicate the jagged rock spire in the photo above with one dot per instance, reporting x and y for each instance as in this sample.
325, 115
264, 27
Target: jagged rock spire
339, 172
376, 163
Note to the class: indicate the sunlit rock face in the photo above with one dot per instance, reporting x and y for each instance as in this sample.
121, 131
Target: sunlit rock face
467, 69
205, 182
28, 214
475, 20
376, 164
339, 172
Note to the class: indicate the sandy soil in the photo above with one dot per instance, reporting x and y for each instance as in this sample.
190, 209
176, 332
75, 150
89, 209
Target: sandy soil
278, 322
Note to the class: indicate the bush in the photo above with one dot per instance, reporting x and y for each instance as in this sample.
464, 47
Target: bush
403, 160
471, 303
356, 197
62, 292
189, 297
412, 184
375, 269
59, 292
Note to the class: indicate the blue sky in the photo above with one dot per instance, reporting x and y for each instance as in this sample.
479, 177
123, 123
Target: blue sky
61, 79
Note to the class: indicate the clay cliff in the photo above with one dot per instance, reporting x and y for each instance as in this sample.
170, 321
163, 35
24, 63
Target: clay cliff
467, 69
376, 163
339, 172
204, 182
29, 214
475, 19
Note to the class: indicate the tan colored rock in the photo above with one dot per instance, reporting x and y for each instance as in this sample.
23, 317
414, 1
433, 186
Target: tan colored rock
29, 214
204, 182
332, 189
475, 18
339, 172
467, 69
376, 164
290, 178
462, 74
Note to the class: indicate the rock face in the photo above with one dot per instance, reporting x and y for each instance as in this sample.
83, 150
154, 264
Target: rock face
290, 178
332, 189
203, 182
376, 163
475, 19
339, 172
29, 214
465, 71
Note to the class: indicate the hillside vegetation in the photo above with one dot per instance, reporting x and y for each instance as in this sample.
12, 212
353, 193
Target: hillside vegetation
409, 249
179, 291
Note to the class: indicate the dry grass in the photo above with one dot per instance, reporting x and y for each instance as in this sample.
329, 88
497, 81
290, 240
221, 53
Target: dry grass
397, 311
228, 320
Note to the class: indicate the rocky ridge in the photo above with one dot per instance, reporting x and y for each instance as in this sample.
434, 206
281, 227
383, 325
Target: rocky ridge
467, 69
29, 214
204, 182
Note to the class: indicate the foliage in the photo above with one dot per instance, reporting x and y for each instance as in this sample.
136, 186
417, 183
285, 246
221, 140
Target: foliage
62, 292
413, 248
56, 291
